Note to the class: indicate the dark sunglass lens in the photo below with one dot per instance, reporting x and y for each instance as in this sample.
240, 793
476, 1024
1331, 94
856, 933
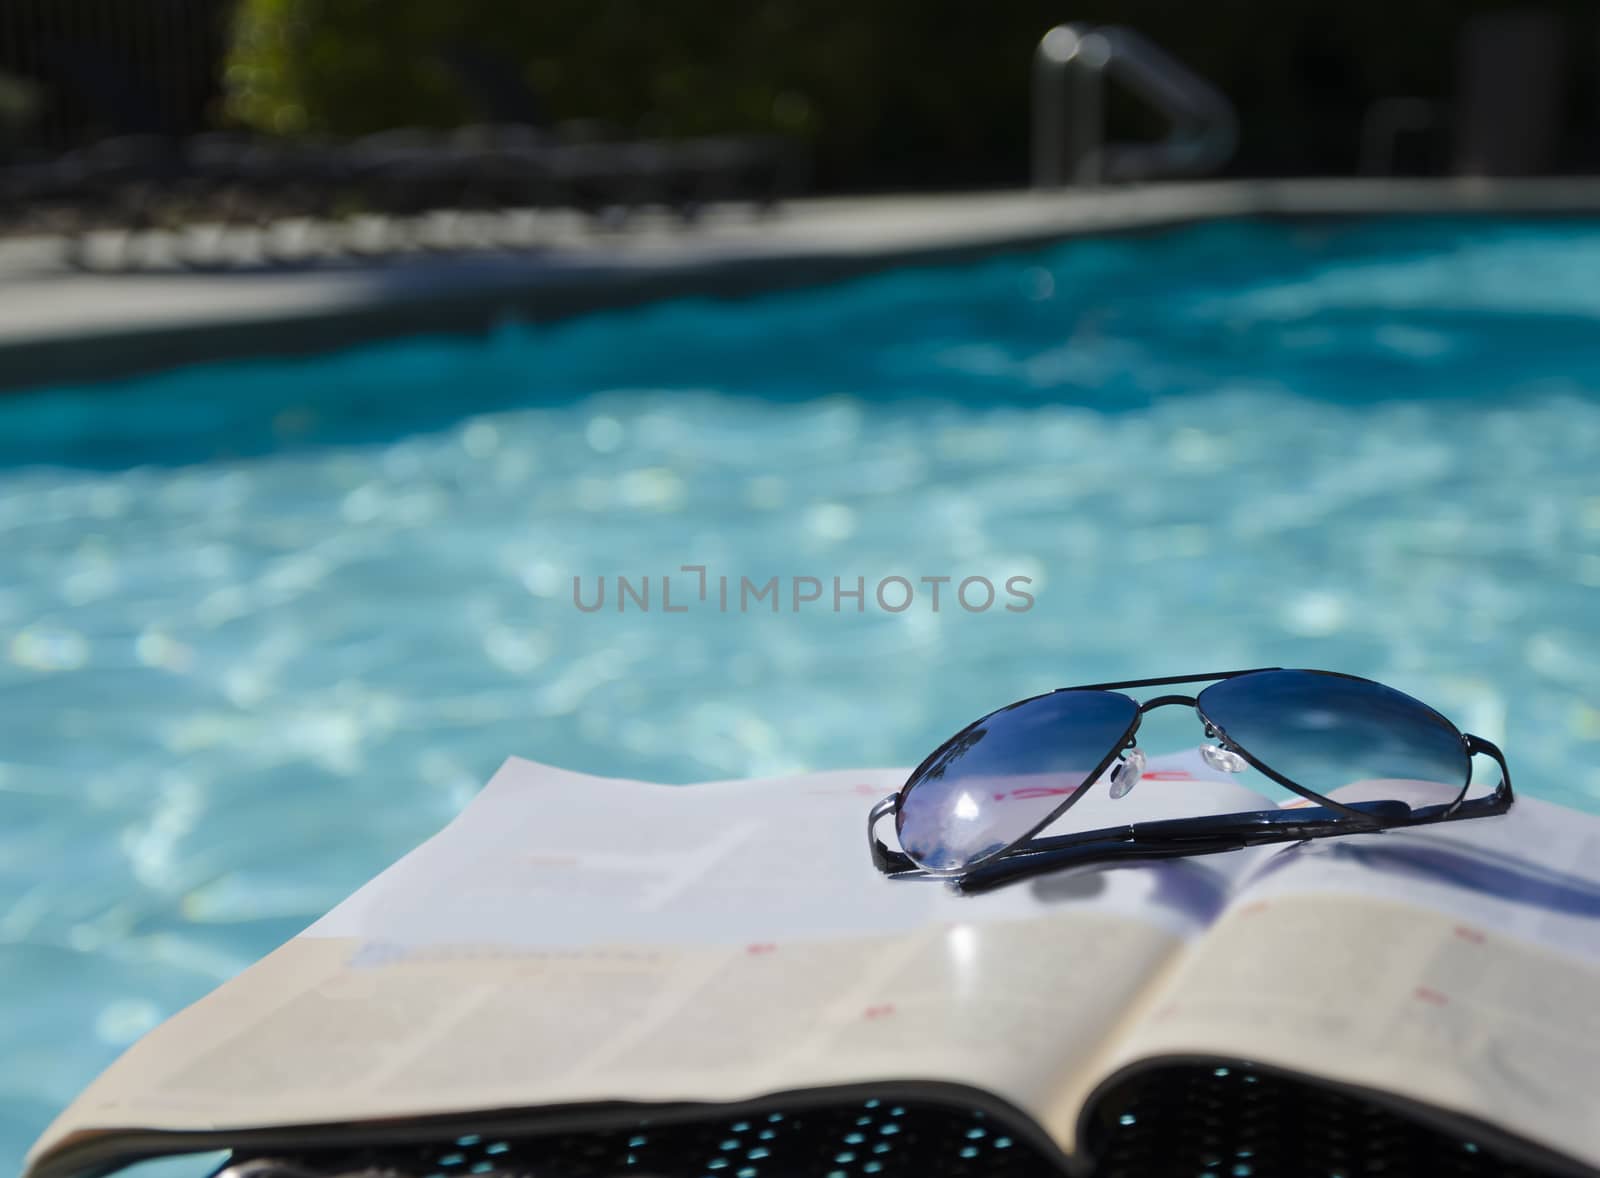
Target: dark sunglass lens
1324, 731
997, 779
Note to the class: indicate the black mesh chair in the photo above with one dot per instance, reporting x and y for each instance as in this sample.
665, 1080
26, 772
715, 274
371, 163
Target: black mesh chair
1172, 1123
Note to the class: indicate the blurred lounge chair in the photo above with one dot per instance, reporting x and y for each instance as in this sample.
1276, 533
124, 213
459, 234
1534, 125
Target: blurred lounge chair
591, 168
144, 177
109, 180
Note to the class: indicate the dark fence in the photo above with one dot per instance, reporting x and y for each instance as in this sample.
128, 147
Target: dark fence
73, 71
887, 93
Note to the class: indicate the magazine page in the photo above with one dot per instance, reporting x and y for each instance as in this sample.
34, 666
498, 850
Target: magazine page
1454, 965
571, 940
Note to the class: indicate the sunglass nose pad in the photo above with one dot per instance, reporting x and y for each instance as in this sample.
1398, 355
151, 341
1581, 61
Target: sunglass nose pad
1223, 760
1126, 773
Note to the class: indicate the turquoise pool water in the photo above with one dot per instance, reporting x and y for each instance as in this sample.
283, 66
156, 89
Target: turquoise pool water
264, 626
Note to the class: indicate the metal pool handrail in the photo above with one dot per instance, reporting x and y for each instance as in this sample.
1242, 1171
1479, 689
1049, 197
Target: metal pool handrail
1069, 71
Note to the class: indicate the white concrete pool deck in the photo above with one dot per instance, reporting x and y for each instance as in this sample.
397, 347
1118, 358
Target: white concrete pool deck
58, 323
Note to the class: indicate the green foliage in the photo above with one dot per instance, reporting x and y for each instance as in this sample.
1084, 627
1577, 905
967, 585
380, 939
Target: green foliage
350, 66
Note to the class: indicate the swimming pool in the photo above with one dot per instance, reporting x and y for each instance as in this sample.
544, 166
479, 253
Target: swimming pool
266, 625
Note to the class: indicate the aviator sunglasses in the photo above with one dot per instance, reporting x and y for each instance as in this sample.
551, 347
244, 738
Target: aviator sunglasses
970, 812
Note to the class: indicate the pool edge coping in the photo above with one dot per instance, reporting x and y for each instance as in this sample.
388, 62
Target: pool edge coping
103, 327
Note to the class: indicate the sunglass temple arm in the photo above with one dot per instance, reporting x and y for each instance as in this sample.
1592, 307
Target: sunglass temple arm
887, 861
1500, 800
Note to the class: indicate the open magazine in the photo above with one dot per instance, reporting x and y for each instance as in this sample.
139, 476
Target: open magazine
575, 951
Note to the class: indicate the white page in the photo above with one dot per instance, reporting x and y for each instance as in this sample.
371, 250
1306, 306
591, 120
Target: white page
547, 858
1531, 873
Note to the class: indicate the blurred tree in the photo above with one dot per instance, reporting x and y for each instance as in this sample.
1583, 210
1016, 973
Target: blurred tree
19, 107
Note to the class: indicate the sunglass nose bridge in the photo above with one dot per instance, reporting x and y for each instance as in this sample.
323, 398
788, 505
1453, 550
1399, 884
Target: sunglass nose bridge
1223, 760
1166, 701
1125, 773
